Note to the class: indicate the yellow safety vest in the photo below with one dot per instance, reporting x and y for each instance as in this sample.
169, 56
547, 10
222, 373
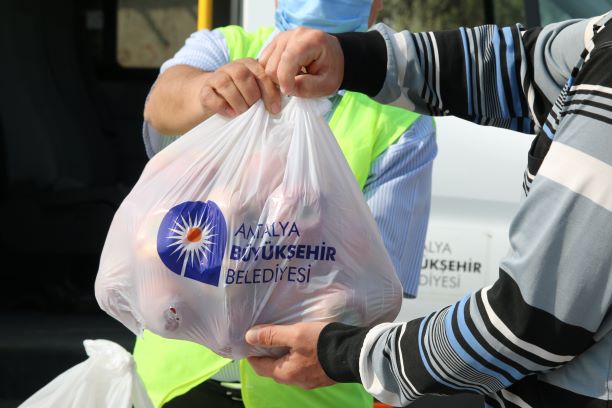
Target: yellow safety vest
169, 368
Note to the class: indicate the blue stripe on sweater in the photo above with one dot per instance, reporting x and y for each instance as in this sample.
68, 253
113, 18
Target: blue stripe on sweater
478, 348
501, 93
466, 58
514, 84
460, 351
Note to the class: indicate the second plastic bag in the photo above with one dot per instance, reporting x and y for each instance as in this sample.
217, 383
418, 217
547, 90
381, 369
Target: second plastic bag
242, 222
108, 378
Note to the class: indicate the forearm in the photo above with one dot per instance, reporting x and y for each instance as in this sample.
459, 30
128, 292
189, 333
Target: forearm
441, 73
549, 305
174, 104
482, 344
489, 75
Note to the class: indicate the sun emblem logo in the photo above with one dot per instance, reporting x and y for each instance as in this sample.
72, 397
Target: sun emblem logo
191, 241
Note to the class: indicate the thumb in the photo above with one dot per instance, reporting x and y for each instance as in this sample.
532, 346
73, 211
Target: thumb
269, 336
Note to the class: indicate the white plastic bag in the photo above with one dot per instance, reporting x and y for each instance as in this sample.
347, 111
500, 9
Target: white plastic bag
242, 222
108, 378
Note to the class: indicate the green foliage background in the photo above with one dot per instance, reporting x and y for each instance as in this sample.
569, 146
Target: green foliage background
429, 15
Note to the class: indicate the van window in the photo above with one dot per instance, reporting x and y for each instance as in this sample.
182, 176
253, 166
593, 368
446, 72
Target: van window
151, 31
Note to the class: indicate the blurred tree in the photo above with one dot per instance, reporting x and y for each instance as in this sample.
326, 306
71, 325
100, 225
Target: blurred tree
429, 15
508, 12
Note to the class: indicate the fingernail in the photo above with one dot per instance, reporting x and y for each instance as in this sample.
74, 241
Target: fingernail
251, 336
275, 107
282, 89
229, 111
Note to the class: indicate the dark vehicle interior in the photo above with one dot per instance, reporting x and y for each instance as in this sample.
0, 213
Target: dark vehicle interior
71, 149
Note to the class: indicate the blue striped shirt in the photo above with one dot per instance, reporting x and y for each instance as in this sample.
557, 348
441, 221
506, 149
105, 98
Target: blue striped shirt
398, 188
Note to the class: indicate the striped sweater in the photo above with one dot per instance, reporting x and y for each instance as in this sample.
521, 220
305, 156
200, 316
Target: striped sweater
540, 336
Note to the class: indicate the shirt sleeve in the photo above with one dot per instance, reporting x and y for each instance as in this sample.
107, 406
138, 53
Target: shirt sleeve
398, 191
205, 50
551, 302
500, 76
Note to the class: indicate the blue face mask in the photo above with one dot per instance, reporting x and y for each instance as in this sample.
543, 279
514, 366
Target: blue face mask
332, 16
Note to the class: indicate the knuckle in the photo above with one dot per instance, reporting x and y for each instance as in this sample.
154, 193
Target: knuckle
283, 378
287, 54
248, 61
242, 73
270, 71
255, 95
298, 337
215, 106
210, 100
223, 80
261, 74
319, 38
267, 336
300, 47
293, 375
262, 336
205, 93
257, 70
213, 102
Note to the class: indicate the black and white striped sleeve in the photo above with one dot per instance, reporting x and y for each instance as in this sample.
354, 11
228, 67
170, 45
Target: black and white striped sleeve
489, 75
551, 304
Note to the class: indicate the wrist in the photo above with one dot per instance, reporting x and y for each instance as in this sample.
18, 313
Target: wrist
338, 350
365, 61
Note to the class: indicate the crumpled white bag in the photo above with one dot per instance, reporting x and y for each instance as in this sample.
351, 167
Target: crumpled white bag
108, 378
242, 222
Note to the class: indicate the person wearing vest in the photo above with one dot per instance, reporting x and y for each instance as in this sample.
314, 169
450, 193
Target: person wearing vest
389, 150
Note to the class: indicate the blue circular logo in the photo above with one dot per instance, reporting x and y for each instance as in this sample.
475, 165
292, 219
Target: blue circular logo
191, 241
